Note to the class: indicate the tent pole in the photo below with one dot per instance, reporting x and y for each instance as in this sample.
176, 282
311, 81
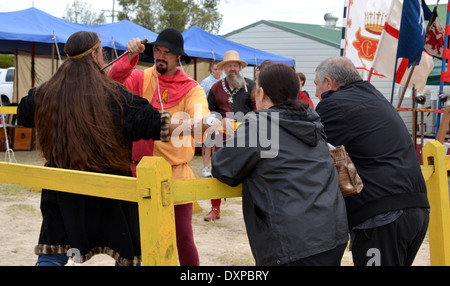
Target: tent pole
16, 75
53, 60
195, 69
33, 71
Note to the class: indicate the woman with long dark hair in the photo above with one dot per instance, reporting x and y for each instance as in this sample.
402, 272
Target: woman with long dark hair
87, 121
293, 208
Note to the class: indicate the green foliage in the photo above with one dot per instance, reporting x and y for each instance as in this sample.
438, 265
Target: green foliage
157, 15
6, 61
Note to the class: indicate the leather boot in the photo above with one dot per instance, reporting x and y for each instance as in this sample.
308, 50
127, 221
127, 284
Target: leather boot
213, 215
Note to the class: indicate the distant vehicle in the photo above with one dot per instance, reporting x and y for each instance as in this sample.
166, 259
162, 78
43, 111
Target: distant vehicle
6, 85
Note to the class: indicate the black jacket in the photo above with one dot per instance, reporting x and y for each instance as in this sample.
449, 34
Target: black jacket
292, 204
359, 117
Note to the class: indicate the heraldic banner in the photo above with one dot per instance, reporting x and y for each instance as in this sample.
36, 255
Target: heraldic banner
403, 40
363, 28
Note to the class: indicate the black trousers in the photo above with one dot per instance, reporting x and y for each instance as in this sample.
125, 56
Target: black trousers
394, 244
331, 257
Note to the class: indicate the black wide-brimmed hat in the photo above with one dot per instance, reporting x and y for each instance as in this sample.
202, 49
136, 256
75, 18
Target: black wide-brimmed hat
171, 39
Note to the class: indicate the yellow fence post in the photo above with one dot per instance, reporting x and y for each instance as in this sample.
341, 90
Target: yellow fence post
156, 212
438, 196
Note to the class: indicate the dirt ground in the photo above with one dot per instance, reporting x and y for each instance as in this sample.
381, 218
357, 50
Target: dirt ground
220, 243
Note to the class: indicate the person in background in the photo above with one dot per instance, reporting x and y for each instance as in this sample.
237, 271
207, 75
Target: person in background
215, 76
293, 209
302, 78
231, 98
206, 84
391, 213
167, 88
303, 94
256, 72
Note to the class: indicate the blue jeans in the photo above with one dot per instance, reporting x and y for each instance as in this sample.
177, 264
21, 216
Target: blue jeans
52, 260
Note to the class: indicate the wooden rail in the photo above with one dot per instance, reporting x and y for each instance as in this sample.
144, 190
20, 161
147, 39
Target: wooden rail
153, 189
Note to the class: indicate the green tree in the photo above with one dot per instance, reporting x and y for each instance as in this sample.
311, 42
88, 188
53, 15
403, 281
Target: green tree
157, 15
81, 12
6, 61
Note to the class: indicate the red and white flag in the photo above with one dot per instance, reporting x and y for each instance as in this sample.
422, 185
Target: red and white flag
434, 41
363, 28
386, 54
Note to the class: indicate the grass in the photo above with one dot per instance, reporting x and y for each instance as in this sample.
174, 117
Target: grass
11, 193
20, 210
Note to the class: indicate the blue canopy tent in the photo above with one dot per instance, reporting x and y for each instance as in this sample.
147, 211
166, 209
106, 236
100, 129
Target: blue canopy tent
199, 43
36, 32
21, 28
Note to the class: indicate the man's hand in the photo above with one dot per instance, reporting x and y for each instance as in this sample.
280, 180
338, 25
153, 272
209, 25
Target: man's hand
134, 47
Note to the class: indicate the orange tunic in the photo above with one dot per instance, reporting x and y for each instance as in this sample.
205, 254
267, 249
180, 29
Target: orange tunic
194, 105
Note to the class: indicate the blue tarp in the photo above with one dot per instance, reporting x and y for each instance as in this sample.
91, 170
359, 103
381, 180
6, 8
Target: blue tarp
202, 44
19, 29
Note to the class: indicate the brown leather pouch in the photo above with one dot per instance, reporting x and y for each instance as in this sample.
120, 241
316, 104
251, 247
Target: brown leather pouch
349, 181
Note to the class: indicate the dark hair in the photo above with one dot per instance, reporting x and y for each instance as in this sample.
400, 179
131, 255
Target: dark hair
281, 85
302, 77
265, 64
76, 129
213, 63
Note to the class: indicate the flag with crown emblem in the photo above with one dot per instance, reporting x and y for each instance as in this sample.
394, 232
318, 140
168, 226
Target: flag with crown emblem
363, 27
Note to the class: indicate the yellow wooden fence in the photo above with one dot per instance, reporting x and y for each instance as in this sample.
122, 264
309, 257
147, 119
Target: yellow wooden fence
434, 168
155, 192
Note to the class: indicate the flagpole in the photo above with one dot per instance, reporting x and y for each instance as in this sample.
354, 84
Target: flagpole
408, 80
344, 30
370, 74
395, 77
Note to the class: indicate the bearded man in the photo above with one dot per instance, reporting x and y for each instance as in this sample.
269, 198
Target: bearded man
233, 93
231, 97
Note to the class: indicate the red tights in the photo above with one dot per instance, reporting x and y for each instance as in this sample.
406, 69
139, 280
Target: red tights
187, 251
216, 203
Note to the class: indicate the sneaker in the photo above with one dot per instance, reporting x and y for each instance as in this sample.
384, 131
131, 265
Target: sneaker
213, 215
206, 173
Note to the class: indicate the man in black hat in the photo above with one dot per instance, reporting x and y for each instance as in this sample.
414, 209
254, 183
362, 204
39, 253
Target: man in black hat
168, 89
